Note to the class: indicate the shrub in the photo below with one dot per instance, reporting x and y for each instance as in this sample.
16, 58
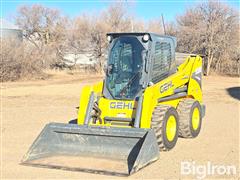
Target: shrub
18, 61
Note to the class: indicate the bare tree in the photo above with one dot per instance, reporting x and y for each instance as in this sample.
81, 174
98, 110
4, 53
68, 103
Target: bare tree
155, 26
44, 28
171, 29
92, 29
19, 61
38, 23
117, 17
79, 34
210, 29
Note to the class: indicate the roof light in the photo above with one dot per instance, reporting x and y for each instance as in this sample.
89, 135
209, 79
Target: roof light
146, 37
109, 38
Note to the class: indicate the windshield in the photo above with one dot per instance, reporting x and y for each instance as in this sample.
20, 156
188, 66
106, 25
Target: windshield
125, 62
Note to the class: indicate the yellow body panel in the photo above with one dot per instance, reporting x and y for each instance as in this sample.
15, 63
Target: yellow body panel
127, 109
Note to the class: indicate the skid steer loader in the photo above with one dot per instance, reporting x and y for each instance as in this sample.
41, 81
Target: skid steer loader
141, 107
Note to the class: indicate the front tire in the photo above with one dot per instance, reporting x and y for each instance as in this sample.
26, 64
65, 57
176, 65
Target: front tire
165, 125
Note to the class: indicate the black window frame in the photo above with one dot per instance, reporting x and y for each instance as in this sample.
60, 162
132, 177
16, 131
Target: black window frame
113, 96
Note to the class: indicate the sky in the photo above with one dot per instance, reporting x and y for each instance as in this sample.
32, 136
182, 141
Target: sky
143, 9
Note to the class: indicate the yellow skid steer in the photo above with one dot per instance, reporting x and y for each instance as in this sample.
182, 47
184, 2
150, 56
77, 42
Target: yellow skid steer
141, 107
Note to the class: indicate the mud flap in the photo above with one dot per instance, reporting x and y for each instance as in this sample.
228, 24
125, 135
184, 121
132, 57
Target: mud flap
114, 151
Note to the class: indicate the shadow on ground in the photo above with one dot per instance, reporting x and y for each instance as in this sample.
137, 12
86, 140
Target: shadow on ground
234, 92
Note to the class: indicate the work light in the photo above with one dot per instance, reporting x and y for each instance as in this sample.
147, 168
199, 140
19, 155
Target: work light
109, 38
146, 37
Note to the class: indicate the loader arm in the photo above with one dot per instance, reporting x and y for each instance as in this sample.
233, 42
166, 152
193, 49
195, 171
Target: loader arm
85, 100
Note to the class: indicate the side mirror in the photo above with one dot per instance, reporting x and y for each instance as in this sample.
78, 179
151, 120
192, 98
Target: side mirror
145, 59
109, 69
105, 68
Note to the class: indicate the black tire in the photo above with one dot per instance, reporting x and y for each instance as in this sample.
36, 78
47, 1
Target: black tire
73, 121
160, 117
185, 110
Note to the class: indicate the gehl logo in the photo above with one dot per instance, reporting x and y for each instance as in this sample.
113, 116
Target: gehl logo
165, 87
121, 105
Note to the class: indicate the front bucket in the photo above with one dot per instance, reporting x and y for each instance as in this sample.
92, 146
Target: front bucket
115, 151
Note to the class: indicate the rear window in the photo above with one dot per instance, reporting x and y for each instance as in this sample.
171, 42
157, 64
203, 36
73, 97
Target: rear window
161, 61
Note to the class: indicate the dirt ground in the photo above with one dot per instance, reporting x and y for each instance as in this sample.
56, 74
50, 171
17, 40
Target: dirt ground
28, 106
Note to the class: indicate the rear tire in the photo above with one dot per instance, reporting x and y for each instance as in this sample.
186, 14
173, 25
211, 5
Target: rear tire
165, 125
190, 118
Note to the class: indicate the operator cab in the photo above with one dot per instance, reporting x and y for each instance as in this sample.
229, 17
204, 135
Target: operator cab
136, 60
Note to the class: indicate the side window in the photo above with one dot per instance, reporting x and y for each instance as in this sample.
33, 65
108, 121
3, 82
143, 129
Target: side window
162, 60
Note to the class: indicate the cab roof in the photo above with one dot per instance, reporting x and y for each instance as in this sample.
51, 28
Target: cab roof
152, 35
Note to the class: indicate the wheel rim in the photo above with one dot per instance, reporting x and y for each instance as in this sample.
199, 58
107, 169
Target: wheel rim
195, 118
171, 128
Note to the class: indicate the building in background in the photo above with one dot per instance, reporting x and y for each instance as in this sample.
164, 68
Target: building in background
80, 60
9, 30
